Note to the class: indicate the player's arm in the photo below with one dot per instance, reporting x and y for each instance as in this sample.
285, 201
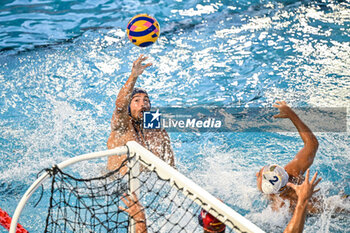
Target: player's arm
120, 115
305, 157
304, 192
135, 211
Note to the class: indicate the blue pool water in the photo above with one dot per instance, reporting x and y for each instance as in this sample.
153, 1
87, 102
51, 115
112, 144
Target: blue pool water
62, 64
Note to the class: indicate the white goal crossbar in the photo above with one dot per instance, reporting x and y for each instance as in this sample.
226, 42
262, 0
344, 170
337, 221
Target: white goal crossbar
139, 154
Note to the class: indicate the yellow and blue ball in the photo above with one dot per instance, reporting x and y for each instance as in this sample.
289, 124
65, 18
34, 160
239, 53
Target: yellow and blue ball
143, 30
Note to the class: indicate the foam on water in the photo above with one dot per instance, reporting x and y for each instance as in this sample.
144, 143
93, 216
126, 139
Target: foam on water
229, 174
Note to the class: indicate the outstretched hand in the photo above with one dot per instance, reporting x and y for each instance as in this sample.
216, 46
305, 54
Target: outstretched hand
304, 192
134, 208
306, 189
137, 67
285, 110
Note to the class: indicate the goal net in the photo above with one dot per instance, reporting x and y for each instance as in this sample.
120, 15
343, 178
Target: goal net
171, 202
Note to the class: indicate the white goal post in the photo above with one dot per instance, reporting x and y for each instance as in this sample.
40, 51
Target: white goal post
141, 155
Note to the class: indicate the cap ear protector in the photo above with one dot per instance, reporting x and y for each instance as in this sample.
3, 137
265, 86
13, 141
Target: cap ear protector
274, 178
210, 223
137, 90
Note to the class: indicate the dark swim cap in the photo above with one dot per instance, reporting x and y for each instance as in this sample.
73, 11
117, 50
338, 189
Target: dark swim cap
137, 90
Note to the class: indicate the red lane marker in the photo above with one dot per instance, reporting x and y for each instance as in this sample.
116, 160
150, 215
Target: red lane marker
5, 221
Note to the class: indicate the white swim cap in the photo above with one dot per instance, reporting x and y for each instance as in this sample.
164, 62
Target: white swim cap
274, 177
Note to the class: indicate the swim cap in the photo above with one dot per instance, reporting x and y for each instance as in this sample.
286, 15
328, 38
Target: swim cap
138, 90
274, 178
210, 223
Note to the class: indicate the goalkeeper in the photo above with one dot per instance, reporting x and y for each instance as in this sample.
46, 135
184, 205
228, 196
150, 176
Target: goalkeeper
127, 122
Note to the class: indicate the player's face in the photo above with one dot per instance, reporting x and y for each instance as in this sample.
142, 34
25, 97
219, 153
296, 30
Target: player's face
139, 103
259, 179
